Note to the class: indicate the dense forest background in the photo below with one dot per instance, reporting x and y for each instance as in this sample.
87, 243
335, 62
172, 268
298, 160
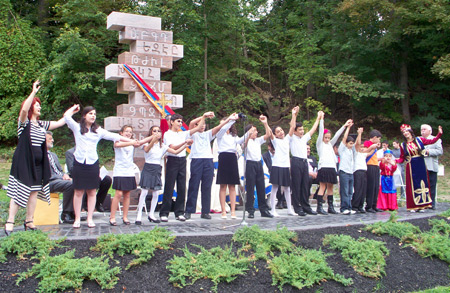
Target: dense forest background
379, 62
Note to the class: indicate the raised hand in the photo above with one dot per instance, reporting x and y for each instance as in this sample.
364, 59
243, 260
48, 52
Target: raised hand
189, 141
209, 115
36, 86
348, 123
263, 119
360, 130
440, 129
295, 110
234, 116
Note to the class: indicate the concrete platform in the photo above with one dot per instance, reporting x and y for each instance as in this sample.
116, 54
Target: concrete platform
218, 226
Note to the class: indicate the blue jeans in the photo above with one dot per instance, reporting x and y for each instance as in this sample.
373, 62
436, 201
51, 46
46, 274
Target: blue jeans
346, 190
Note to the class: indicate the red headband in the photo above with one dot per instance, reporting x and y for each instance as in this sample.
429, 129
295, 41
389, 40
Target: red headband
405, 127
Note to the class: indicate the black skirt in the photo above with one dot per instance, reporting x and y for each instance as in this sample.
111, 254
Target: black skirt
151, 177
327, 175
228, 172
85, 176
38, 162
124, 183
280, 176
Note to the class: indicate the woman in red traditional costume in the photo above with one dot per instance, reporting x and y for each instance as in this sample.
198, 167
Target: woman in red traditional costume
417, 182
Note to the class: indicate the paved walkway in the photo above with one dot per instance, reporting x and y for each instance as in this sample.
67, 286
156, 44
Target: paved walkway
218, 226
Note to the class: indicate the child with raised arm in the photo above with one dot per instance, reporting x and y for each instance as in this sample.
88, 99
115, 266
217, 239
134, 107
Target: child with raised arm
280, 175
327, 176
387, 199
299, 168
254, 173
202, 167
346, 153
227, 172
360, 174
150, 181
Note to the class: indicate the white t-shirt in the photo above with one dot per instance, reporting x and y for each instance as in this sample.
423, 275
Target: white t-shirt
254, 148
281, 157
360, 161
347, 160
123, 166
155, 154
201, 147
176, 138
299, 146
226, 142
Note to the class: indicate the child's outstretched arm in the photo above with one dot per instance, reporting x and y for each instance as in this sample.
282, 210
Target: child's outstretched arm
295, 111
316, 123
358, 139
268, 134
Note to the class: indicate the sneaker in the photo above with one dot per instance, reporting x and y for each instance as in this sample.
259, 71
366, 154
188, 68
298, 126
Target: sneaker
164, 219
346, 212
421, 211
352, 212
205, 216
180, 218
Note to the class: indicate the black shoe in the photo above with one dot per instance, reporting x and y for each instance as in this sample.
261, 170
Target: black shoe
66, 218
284, 205
205, 216
320, 209
83, 218
99, 208
266, 214
331, 209
8, 232
370, 211
251, 215
310, 212
153, 220
361, 211
301, 213
279, 206
138, 223
112, 223
26, 227
377, 210
187, 216
126, 222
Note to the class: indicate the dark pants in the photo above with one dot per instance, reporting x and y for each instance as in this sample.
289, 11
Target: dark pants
201, 170
66, 187
175, 172
300, 184
360, 188
433, 183
346, 190
373, 186
254, 176
102, 191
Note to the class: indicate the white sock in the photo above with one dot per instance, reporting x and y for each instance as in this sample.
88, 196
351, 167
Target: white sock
153, 205
141, 204
287, 196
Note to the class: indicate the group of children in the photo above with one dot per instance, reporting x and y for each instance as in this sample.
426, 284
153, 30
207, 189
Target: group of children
359, 169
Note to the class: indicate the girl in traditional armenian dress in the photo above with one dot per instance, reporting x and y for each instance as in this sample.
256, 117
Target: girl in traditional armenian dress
417, 182
387, 199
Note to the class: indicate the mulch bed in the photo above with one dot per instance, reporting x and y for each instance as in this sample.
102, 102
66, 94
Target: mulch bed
405, 270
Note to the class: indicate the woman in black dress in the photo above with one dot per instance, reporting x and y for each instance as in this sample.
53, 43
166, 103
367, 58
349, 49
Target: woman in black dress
30, 169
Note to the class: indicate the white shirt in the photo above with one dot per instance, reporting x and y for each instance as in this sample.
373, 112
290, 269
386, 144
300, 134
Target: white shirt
155, 154
299, 146
346, 164
327, 157
86, 144
176, 138
281, 157
227, 142
201, 147
254, 148
360, 161
123, 166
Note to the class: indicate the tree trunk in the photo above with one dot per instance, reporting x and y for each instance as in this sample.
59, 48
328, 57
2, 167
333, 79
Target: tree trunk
205, 60
311, 87
42, 13
404, 88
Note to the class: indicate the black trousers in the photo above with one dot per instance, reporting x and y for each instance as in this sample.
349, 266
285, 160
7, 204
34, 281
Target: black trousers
254, 176
175, 172
300, 184
373, 186
360, 188
433, 183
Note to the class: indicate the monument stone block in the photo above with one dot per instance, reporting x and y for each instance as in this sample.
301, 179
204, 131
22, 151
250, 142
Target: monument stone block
118, 20
156, 48
140, 59
138, 98
138, 124
129, 34
128, 85
117, 72
138, 111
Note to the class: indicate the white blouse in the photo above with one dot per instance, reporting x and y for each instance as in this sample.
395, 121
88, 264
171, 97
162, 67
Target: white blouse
86, 144
226, 142
155, 154
281, 157
124, 165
